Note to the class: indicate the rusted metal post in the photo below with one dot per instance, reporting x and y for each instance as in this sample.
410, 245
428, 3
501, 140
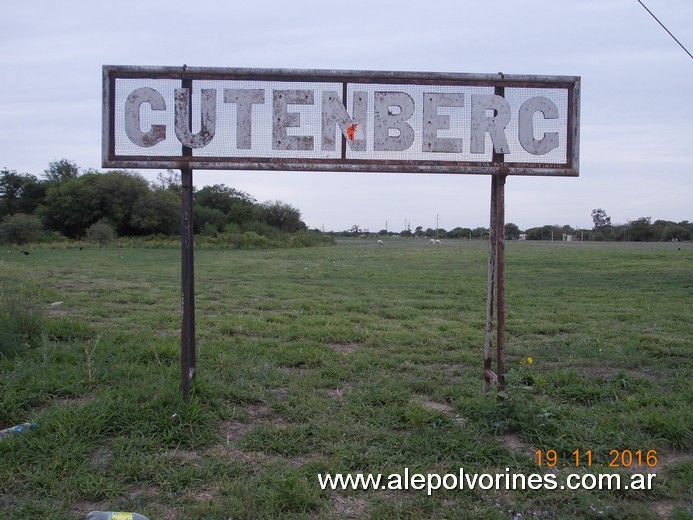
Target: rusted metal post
496, 276
187, 329
500, 286
489, 376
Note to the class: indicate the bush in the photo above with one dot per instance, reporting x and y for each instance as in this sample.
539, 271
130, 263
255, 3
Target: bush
20, 229
311, 239
251, 240
101, 233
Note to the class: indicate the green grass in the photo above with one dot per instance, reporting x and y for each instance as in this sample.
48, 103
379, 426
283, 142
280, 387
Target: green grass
349, 358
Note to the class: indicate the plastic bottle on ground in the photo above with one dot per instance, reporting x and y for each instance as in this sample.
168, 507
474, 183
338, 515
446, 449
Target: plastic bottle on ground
113, 515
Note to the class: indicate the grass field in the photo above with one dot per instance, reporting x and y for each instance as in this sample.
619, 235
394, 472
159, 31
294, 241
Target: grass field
348, 358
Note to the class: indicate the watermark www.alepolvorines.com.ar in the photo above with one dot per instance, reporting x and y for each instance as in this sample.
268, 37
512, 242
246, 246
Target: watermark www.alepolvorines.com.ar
463, 480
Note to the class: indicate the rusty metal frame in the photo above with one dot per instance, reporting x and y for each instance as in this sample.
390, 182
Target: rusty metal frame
497, 167
570, 83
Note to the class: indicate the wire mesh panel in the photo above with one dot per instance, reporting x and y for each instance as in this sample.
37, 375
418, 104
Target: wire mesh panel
205, 118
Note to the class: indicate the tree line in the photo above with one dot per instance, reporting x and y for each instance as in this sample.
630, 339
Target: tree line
68, 202
638, 230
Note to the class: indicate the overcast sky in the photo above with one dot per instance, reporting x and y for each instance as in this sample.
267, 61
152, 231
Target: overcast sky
636, 138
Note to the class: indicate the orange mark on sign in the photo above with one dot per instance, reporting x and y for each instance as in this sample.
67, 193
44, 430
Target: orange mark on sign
351, 131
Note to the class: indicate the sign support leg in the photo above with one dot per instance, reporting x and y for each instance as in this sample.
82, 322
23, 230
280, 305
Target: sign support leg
496, 284
489, 375
500, 288
187, 329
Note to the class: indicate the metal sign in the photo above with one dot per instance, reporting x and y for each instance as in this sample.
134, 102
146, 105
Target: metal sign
409, 122
276, 119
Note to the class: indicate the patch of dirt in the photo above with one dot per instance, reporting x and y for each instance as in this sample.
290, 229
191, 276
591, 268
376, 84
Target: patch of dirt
337, 393
281, 394
257, 411
345, 348
56, 312
82, 508
349, 507
663, 508
444, 408
665, 458
182, 457
254, 459
76, 401
437, 407
234, 430
517, 445
206, 494
150, 491
301, 460
100, 457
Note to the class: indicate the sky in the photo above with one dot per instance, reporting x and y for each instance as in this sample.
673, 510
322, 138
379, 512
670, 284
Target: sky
636, 136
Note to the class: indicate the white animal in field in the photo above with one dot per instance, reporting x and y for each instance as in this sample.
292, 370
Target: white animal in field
433, 241
381, 243
437, 242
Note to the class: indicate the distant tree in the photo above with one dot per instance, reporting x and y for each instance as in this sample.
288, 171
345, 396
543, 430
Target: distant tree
157, 212
235, 204
567, 230
73, 205
11, 185
32, 194
459, 232
206, 218
61, 170
118, 191
547, 232
674, 232
20, 192
600, 219
640, 230
70, 207
169, 181
20, 229
601, 224
512, 231
533, 233
480, 232
282, 216
221, 197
